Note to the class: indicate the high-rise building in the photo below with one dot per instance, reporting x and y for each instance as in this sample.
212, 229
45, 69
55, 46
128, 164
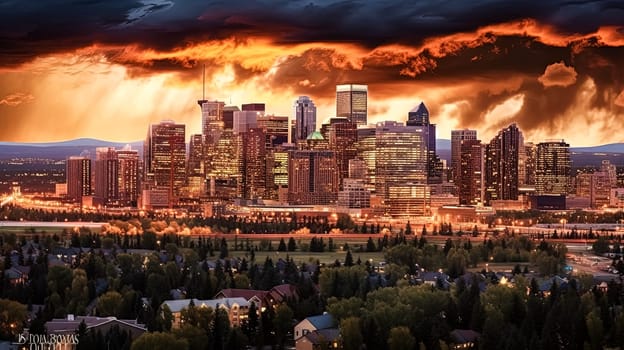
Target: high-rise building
342, 140
245, 120
552, 168
401, 168
128, 176
365, 146
106, 177
165, 158
530, 163
419, 116
78, 177
354, 194
352, 102
196, 175
470, 179
254, 164
275, 128
502, 156
305, 118
228, 116
611, 171
312, 177
212, 111
595, 187
457, 136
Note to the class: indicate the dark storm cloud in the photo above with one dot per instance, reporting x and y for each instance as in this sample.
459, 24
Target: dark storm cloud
32, 28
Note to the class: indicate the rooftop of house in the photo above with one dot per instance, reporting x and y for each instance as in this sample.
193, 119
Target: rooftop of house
179, 305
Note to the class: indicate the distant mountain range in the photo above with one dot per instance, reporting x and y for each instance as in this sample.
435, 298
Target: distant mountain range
62, 149
581, 156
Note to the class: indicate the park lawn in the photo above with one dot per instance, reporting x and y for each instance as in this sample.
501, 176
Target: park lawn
311, 257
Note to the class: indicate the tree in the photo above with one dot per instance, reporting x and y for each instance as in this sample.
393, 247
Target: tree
600, 246
595, 328
282, 245
108, 304
12, 318
349, 259
283, 323
401, 339
292, 246
351, 335
236, 340
159, 341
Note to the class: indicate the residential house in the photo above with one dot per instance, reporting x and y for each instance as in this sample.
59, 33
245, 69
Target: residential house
321, 339
314, 323
236, 308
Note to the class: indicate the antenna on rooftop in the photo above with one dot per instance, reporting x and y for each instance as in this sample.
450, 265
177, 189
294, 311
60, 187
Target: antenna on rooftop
204, 83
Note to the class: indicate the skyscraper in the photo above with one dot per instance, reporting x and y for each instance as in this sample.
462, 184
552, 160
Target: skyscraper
553, 167
254, 163
128, 172
312, 177
470, 179
78, 176
401, 168
275, 128
212, 111
342, 140
305, 118
419, 116
228, 116
352, 102
106, 176
165, 158
530, 163
502, 157
457, 136
195, 166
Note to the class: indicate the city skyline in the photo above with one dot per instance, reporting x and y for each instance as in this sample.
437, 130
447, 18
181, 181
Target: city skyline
82, 70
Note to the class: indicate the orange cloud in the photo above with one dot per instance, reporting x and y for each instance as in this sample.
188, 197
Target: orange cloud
558, 74
619, 100
16, 99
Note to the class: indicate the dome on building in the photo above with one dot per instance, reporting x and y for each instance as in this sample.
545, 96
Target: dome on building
315, 135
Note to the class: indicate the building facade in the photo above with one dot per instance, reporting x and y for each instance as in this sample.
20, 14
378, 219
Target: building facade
305, 118
502, 161
312, 177
457, 136
552, 170
78, 178
352, 102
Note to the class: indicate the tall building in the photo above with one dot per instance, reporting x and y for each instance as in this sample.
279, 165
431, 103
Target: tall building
195, 166
342, 140
228, 116
457, 136
165, 158
419, 116
212, 111
470, 179
611, 171
352, 102
106, 177
245, 120
530, 164
78, 177
254, 164
275, 128
128, 177
401, 168
502, 157
552, 168
305, 118
312, 177
365, 146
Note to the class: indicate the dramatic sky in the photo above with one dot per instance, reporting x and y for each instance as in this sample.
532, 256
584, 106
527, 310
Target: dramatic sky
108, 68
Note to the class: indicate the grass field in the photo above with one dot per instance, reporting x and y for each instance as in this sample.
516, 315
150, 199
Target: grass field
311, 257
